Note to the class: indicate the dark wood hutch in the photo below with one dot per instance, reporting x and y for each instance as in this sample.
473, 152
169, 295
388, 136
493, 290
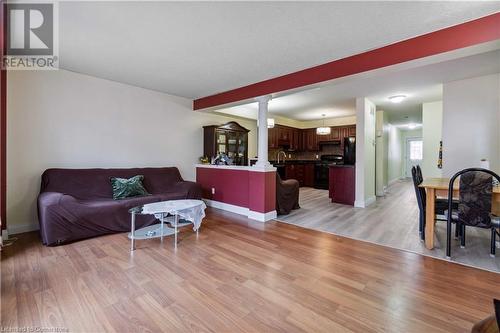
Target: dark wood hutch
230, 139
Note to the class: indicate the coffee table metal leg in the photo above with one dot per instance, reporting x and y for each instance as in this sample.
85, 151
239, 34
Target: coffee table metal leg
161, 228
132, 232
176, 223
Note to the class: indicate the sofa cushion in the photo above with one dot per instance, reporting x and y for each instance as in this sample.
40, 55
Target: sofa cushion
128, 188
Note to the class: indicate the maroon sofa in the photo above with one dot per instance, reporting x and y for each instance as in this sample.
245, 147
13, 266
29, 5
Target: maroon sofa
77, 203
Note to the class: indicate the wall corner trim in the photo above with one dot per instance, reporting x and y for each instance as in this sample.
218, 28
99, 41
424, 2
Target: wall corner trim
365, 203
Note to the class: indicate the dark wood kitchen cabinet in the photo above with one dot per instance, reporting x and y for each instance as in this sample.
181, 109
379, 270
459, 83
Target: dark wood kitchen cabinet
272, 137
335, 134
295, 139
309, 175
300, 171
283, 137
352, 130
290, 171
311, 140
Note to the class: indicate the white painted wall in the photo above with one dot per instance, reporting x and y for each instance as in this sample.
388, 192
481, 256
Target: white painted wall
395, 153
365, 152
381, 153
432, 132
471, 112
64, 119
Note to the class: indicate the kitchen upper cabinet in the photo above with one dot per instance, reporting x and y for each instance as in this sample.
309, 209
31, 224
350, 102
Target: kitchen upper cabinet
295, 139
283, 134
272, 137
352, 130
311, 140
306, 139
335, 134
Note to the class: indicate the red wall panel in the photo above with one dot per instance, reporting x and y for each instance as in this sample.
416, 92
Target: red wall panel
231, 186
244, 188
262, 191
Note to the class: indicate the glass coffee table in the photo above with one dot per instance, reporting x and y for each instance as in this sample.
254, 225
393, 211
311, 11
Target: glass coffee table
173, 214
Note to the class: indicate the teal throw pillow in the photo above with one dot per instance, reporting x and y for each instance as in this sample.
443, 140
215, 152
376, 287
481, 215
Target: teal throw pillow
126, 188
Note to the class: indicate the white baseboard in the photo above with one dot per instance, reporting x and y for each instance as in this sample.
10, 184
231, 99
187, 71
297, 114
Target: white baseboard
227, 207
390, 182
4, 235
262, 217
365, 203
370, 201
19, 229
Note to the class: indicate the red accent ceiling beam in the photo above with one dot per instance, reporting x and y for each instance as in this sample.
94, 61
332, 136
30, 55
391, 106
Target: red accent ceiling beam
470, 33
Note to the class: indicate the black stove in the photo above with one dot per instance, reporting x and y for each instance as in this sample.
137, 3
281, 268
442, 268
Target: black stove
321, 170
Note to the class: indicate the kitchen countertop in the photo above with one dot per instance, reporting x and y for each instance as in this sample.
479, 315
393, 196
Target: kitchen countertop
341, 165
295, 162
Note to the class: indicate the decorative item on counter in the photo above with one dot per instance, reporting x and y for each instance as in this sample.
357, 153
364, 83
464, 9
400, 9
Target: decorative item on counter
204, 160
222, 159
440, 158
484, 163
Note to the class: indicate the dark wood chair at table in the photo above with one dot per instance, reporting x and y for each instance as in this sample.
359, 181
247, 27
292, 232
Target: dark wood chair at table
441, 204
474, 205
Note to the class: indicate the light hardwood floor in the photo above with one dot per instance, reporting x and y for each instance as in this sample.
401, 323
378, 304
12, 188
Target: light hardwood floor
239, 276
391, 221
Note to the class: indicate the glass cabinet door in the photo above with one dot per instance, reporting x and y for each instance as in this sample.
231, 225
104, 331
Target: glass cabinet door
232, 145
221, 142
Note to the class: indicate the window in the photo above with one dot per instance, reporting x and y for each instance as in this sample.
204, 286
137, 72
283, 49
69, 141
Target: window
416, 150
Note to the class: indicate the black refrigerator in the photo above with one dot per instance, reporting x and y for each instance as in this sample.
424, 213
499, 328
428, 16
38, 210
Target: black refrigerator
350, 150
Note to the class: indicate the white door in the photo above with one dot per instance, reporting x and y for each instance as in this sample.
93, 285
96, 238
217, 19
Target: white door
414, 153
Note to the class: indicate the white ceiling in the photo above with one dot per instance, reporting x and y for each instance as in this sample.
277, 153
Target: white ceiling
337, 99
195, 49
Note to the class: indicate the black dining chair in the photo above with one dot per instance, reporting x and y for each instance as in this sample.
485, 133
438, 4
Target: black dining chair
440, 204
419, 173
474, 204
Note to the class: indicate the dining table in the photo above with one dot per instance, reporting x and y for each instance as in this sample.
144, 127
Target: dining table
438, 188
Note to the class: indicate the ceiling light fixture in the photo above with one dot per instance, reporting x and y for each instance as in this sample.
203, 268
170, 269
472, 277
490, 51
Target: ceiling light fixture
323, 130
397, 98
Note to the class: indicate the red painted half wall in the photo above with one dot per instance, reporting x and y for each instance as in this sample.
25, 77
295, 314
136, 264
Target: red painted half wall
262, 191
231, 186
245, 188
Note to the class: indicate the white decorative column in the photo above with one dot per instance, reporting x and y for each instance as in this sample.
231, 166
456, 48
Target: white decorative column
263, 160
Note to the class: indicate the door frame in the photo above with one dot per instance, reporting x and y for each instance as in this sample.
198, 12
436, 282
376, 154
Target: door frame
406, 153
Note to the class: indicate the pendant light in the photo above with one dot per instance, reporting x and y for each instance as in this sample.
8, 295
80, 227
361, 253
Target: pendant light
323, 130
